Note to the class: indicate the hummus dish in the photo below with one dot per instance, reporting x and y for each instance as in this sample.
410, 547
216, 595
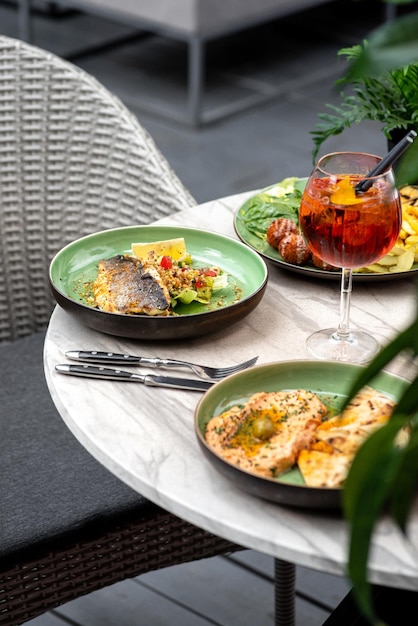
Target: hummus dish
275, 432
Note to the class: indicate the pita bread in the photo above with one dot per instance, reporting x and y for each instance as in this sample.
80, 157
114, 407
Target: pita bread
327, 462
322, 469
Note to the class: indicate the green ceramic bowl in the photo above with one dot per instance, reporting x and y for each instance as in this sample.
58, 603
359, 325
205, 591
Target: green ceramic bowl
330, 380
73, 269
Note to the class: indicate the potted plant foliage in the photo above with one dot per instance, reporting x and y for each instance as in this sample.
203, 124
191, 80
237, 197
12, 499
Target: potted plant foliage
381, 85
383, 476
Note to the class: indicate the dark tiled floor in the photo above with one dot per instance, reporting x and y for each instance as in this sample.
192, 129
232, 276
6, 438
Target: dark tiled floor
297, 56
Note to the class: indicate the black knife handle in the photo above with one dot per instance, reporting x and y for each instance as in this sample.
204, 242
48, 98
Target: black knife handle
91, 371
95, 356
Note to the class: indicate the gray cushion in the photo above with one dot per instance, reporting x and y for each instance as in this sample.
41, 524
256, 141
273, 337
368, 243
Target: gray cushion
50, 487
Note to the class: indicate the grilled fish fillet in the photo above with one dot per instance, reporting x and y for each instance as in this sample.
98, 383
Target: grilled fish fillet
294, 415
124, 285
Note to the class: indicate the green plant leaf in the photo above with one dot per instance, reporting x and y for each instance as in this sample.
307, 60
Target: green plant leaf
407, 170
405, 481
381, 84
383, 472
407, 403
366, 491
390, 98
392, 45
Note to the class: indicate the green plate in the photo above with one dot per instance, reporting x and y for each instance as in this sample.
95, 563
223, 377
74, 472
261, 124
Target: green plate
74, 268
330, 380
265, 198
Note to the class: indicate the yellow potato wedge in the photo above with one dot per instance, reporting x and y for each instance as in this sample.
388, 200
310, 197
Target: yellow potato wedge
405, 262
407, 228
389, 260
411, 242
405, 252
375, 268
409, 193
397, 249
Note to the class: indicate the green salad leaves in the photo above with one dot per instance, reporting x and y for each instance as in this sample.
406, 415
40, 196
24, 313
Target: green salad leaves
280, 200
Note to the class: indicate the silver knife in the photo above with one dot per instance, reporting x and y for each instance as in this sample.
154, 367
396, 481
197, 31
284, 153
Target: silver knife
106, 373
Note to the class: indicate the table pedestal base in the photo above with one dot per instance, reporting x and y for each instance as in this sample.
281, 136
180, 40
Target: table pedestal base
284, 592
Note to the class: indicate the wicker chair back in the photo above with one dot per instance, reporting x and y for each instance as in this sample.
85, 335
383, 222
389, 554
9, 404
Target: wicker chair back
73, 160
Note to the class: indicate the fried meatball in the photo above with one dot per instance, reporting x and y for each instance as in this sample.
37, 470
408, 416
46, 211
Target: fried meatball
279, 229
293, 249
322, 265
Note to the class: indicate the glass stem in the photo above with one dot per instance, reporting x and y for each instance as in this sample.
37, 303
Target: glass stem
346, 285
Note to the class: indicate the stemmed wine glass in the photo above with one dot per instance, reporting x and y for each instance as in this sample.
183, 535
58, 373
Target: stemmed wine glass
349, 220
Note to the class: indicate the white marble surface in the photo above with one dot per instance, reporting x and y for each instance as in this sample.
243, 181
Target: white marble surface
145, 435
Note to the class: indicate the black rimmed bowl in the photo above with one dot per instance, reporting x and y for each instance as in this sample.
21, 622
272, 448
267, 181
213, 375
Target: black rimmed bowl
74, 268
331, 381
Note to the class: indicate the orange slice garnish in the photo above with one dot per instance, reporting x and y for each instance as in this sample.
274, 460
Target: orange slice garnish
344, 193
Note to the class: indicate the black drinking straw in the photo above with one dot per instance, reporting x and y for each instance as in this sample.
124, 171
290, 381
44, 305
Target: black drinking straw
387, 162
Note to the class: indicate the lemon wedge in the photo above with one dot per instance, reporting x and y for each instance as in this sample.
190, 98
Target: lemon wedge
175, 248
344, 193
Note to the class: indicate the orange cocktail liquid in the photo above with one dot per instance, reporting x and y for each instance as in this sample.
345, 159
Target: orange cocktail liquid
349, 230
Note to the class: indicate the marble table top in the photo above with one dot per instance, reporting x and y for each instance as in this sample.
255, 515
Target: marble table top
145, 435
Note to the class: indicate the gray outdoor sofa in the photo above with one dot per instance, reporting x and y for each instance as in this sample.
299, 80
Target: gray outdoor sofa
194, 22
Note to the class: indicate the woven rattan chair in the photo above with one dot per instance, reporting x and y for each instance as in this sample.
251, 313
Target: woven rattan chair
73, 160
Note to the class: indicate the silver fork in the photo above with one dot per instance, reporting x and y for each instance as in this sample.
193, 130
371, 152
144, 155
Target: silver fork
112, 358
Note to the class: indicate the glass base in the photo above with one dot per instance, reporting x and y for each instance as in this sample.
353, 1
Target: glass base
354, 347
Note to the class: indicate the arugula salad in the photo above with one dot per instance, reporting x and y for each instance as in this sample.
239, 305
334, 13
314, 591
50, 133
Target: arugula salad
280, 200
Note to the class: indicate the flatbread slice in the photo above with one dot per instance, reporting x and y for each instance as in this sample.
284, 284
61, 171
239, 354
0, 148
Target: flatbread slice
368, 411
321, 469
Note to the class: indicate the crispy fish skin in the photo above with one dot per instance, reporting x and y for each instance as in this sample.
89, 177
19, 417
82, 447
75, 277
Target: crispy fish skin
295, 415
124, 285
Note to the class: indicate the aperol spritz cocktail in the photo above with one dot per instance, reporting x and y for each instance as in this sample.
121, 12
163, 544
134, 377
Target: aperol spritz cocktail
349, 229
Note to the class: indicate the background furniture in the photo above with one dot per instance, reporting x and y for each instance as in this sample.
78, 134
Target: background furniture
73, 161
194, 22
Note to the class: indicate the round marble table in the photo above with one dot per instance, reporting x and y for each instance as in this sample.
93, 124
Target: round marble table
145, 435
